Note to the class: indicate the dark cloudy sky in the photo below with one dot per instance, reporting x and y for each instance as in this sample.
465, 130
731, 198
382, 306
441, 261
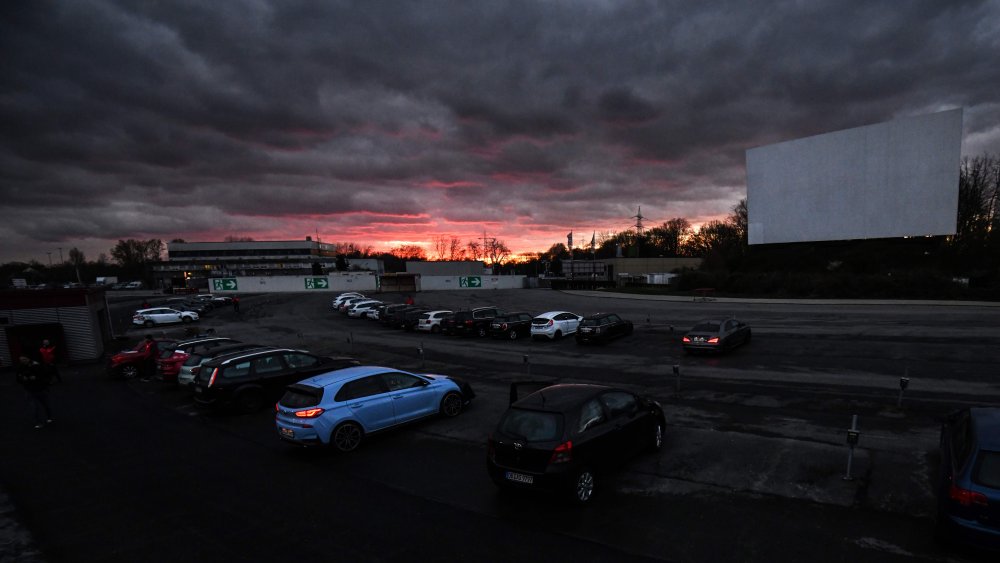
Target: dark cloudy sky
384, 123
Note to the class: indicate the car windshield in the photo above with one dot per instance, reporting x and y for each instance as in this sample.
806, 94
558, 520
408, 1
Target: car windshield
532, 426
706, 327
988, 470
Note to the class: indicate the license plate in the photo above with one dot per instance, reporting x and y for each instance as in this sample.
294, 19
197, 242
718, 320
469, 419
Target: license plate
520, 478
287, 432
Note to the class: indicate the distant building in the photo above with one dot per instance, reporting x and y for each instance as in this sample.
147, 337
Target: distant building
75, 320
191, 264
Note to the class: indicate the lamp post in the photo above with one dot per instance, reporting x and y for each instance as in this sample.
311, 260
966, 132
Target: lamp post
50, 259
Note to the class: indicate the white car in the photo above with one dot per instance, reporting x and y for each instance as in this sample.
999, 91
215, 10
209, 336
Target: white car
431, 320
346, 304
361, 308
162, 315
555, 324
339, 300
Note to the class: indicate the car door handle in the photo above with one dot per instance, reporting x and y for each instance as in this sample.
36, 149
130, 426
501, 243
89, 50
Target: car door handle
357, 405
394, 397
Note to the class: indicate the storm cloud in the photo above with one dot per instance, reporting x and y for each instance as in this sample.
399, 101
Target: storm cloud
387, 122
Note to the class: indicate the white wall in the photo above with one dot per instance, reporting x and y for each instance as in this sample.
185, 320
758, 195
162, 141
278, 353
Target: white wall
893, 179
431, 283
339, 282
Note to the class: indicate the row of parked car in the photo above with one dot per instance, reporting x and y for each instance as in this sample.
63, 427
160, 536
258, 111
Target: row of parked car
485, 321
709, 335
179, 310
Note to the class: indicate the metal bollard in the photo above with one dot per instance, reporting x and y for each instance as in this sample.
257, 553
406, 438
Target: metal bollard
421, 351
677, 378
853, 436
527, 366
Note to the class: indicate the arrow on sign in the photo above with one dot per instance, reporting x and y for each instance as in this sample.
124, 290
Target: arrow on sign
322, 283
229, 284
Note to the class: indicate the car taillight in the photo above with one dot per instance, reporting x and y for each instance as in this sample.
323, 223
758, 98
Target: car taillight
468, 323
563, 452
686, 339
713, 340
503, 326
276, 409
550, 323
211, 380
309, 413
966, 497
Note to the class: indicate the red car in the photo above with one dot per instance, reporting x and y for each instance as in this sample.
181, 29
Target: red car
129, 364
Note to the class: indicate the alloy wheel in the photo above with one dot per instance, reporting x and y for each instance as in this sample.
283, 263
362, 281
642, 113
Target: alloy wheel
584, 486
451, 405
347, 437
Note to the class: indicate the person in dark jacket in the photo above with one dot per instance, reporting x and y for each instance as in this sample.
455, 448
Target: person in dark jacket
35, 381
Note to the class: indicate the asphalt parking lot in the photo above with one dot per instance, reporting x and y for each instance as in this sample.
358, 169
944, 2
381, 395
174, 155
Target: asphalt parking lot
753, 467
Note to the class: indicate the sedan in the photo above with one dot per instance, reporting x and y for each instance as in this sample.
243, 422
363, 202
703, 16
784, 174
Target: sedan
340, 408
565, 437
602, 327
162, 315
716, 336
555, 324
969, 479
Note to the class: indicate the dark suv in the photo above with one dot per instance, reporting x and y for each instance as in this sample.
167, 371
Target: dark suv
476, 321
602, 327
511, 325
249, 380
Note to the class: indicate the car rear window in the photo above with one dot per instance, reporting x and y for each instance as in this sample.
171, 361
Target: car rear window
425, 316
532, 426
988, 470
193, 360
590, 322
540, 321
298, 396
706, 327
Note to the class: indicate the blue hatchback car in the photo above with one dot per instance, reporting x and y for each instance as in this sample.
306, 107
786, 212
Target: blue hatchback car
969, 490
341, 407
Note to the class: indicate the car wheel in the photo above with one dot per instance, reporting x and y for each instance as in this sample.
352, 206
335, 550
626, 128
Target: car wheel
249, 401
657, 442
451, 405
185, 320
481, 332
513, 335
128, 372
148, 323
346, 437
435, 329
583, 486
558, 335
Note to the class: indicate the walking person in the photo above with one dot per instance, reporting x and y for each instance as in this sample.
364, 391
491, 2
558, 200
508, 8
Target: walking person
35, 381
47, 353
236, 303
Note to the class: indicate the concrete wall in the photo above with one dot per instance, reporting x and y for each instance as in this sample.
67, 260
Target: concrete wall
337, 283
893, 179
431, 283
447, 268
637, 266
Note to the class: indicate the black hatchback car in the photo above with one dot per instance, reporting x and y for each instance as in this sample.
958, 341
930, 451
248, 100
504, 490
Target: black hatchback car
249, 380
511, 325
564, 438
602, 327
969, 485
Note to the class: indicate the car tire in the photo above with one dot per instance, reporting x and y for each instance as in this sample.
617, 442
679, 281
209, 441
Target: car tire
451, 405
435, 329
249, 401
185, 320
584, 485
128, 372
513, 335
558, 335
148, 324
346, 437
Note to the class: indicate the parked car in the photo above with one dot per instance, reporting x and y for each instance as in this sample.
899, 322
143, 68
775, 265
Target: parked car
339, 300
139, 360
564, 438
430, 321
197, 358
387, 313
361, 308
602, 327
511, 325
347, 303
249, 380
341, 408
169, 363
475, 322
162, 315
968, 488
555, 324
411, 317
715, 336
397, 317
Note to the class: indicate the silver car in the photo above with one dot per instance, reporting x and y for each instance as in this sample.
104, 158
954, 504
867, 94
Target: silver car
162, 315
